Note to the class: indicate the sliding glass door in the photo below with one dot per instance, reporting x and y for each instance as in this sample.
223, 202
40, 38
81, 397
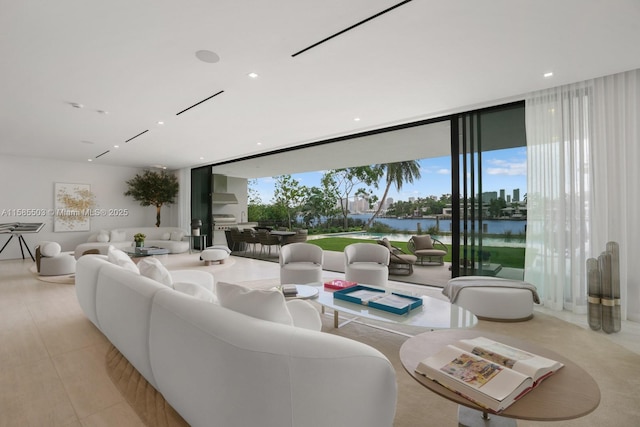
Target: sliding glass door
489, 192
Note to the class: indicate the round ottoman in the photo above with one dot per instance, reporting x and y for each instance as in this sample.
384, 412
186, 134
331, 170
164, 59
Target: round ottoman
215, 253
497, 303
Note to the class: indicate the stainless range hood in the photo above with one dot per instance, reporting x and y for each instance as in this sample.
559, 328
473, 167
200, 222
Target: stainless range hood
220, 196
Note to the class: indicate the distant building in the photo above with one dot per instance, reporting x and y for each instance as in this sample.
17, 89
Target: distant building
502, 193
488, 196
516, 195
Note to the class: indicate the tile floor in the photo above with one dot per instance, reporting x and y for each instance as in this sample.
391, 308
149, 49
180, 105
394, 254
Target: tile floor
53, 357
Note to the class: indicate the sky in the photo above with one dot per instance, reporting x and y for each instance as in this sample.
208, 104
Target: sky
502, 169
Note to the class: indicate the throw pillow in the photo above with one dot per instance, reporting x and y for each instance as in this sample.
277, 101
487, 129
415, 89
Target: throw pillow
50, 249
195, 291
103, 236
165, 236
263, 304
118, 257
422, 242
118, 236
153, 269
177, 235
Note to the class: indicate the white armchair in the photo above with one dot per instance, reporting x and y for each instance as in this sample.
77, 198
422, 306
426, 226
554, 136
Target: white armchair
301, 263
366, 263
51, 262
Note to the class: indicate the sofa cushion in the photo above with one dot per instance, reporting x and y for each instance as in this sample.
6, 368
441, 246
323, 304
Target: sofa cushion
176, 235
195, 291
165, 236
422, 242
118, 236
118, 257
262, 304
103, 236
50, 249
153, 269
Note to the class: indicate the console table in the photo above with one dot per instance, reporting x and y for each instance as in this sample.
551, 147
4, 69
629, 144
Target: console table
569, 393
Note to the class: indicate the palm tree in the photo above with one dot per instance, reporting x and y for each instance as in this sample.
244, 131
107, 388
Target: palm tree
397, 173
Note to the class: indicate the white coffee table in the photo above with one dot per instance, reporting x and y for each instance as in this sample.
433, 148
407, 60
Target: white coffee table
305, 292
432, 314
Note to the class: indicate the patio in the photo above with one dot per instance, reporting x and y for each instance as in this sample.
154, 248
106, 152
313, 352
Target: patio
422, 275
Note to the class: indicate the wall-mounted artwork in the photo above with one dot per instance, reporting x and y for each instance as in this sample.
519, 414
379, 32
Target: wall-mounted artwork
74, 205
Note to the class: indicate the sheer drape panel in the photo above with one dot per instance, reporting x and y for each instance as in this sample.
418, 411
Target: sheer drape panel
184, 199
557, 195
583, 144
616, 131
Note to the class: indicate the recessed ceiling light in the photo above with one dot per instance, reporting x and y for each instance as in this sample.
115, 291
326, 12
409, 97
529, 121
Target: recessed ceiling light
201, 158
207, 56
160, 122
253, 75
102, 112
116, 146
547, 75
259, 143
357, 119
90, 160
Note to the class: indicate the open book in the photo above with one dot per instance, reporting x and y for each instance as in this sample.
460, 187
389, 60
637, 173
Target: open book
491, 374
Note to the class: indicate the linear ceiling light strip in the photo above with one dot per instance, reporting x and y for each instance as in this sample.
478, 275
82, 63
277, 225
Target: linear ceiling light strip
351, 27
102, 154
133, 137
206, 99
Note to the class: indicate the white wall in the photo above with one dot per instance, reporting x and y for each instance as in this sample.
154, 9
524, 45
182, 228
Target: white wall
28, 183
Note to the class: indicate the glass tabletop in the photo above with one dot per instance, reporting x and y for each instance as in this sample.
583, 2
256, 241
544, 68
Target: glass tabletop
145, 251
434, 313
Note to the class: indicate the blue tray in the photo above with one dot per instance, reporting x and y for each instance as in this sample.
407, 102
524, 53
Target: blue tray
416, 302
345, 294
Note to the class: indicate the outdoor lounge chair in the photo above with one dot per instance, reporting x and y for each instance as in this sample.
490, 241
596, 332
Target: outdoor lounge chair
429, 251
400, 263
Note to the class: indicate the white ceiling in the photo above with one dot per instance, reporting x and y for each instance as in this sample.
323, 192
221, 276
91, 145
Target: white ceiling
136, 60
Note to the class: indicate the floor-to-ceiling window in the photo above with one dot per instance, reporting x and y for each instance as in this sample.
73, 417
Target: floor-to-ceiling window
484, 169
489, 191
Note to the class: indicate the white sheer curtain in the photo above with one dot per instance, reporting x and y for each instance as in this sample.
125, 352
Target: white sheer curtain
616, 187
558, 196
583, 162
184, 199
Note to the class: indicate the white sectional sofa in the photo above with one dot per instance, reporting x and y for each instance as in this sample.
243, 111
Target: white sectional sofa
172, 238
217, 366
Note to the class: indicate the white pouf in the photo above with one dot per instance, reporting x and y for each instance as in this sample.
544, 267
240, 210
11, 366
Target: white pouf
491, 298
497, 303
214, 253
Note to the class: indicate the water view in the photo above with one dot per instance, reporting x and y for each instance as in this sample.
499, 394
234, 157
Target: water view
490, 226
515, 230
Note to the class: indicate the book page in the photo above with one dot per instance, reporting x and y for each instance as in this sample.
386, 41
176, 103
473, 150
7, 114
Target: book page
471, 370
527, 363
473, 376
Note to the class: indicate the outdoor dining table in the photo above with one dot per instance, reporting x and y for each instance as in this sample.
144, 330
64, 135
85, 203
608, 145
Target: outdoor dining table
282, 235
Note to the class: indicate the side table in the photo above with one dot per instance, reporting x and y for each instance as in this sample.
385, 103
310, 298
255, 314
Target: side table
202, 239
569, 393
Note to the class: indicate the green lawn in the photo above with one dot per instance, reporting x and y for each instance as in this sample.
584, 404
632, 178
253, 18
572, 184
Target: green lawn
508, 257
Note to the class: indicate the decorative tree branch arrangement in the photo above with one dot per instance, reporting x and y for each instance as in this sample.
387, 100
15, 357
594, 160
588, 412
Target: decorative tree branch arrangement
153, 189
